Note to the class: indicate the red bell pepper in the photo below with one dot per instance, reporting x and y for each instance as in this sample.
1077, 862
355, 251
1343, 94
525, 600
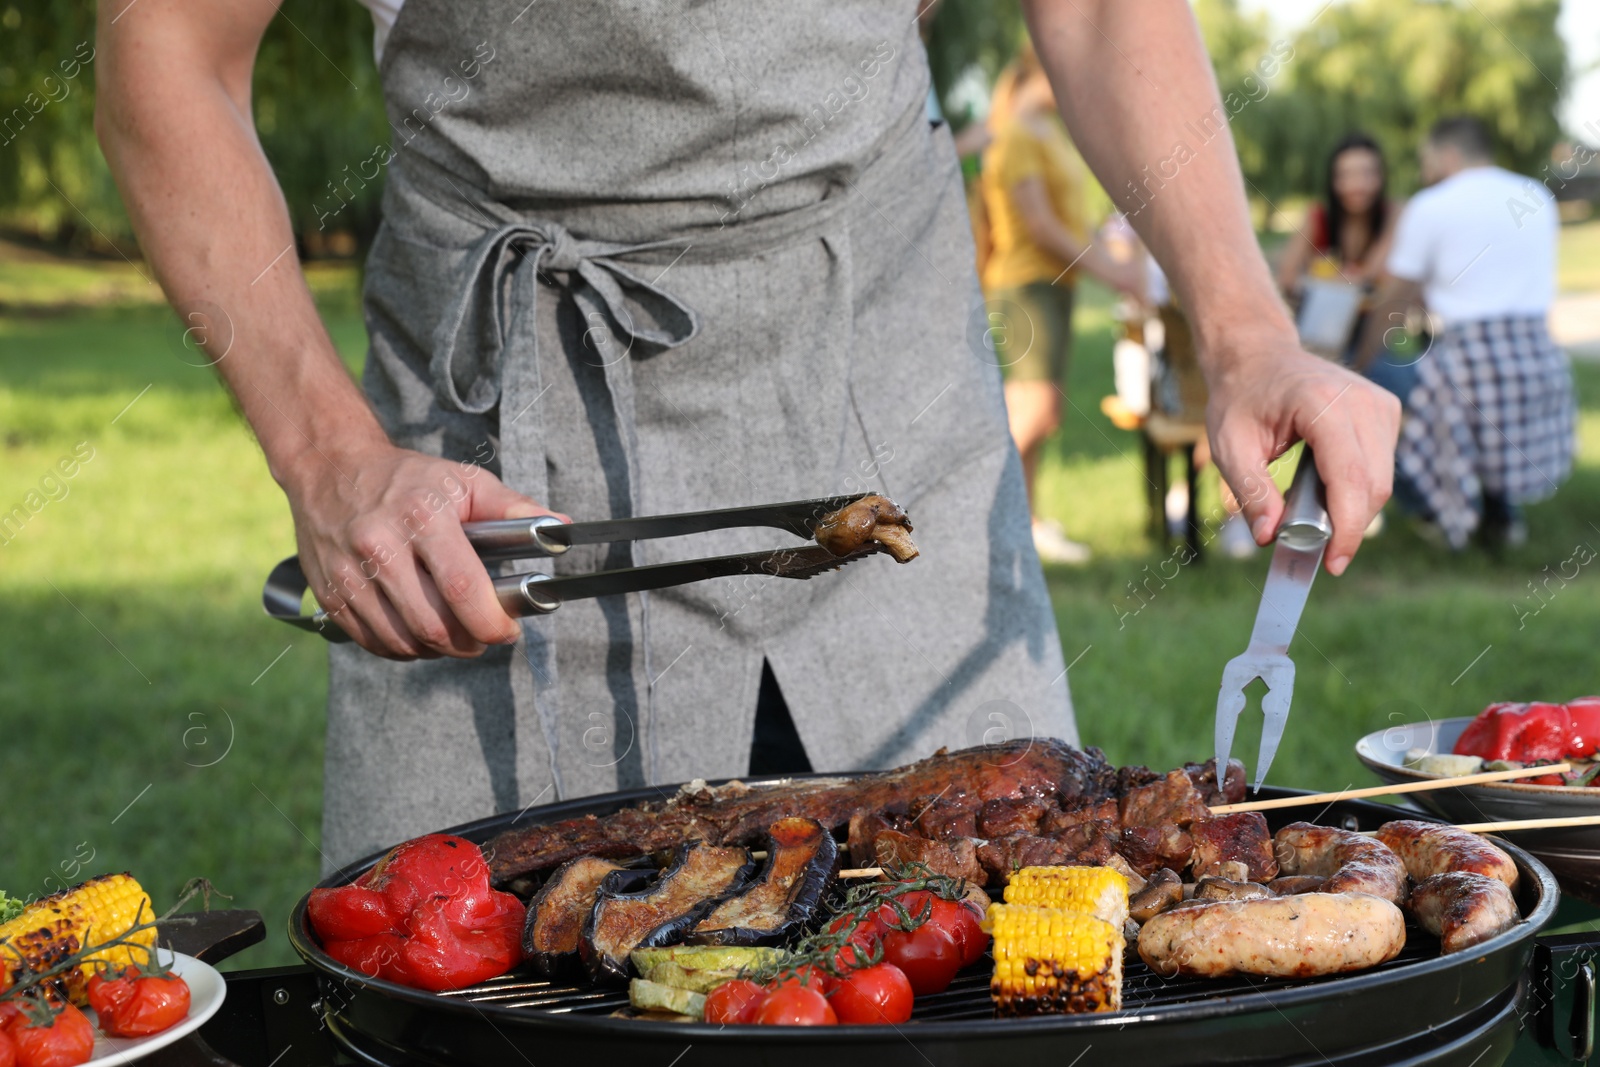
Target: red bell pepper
1585, 712
1532, 732
423, 916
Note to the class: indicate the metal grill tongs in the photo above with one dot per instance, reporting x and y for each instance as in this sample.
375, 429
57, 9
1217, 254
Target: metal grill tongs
1303, 535
540, 594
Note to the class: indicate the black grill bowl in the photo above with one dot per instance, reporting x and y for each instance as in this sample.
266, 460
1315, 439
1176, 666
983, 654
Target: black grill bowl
1421, 1008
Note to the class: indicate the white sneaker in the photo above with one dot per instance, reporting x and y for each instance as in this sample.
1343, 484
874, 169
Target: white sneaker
1053, 545
1234, 538
1177, 507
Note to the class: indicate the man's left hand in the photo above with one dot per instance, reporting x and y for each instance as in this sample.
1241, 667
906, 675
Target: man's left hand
1270, 395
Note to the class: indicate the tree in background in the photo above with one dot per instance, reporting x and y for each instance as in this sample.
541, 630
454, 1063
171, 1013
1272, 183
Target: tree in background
319, 112
317, 106
49, 160
1390, 67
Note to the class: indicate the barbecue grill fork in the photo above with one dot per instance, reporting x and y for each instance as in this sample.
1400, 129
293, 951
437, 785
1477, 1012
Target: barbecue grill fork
546, 536
1302, 538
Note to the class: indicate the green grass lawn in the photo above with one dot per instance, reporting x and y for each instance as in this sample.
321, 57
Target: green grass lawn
1579, 262
157, 719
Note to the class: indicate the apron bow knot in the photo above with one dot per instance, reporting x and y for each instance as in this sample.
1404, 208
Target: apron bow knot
499, 289
563, 252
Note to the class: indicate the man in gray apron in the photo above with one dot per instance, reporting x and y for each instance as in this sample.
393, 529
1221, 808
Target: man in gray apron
659, 258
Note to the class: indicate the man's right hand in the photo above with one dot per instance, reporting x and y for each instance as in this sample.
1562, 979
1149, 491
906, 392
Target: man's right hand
383, 551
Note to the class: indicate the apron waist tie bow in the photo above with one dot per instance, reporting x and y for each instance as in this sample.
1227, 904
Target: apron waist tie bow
501, 286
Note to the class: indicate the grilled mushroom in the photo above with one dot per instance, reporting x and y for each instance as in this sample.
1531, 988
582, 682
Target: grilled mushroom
1160, 892
872, 518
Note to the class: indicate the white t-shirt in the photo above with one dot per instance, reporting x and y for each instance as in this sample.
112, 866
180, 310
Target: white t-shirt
383, 16
1482, 243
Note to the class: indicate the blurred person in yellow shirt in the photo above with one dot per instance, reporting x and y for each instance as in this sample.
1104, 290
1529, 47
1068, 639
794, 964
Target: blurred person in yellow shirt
1033, 193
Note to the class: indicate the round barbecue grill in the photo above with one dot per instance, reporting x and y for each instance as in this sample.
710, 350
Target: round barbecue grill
1420, 1008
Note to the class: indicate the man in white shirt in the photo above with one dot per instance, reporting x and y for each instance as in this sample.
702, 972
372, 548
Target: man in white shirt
1489, 422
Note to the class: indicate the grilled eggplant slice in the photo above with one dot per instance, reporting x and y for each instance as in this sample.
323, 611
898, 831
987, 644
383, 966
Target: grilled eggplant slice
557, 914
661, 913
802, 859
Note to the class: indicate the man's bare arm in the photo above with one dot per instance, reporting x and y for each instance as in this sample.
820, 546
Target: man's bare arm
174, 120
1134, 83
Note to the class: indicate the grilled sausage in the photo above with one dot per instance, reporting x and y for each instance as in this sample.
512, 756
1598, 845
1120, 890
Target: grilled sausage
1350, 863
1463, 908
1277, 937
1427, 849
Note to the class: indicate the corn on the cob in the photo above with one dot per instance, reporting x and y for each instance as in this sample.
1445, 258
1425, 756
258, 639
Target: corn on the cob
55, 927
1098, 891
1051, 960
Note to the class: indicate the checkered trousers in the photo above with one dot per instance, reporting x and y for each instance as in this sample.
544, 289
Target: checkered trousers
1492, 412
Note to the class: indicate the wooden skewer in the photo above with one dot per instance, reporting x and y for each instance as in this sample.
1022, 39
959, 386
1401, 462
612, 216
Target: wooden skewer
862, 872
1386, 790
1530, 824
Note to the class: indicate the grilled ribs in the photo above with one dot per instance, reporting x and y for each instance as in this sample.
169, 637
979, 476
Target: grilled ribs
1041, 769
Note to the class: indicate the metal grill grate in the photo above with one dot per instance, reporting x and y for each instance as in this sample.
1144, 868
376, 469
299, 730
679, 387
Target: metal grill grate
967, 997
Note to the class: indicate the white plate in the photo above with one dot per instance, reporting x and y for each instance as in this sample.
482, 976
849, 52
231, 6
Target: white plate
1573, 853
206, 990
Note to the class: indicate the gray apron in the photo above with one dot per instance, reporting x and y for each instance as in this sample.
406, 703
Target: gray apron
662, 256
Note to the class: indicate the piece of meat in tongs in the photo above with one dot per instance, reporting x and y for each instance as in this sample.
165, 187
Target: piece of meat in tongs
872, 518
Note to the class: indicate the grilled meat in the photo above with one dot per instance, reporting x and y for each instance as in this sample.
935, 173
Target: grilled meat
661, 913
1242, 836
802, 859
948, 821
872, 518
557, 914
1005, 817
865, 826
1204, 777
740, 815
1089, 844
1150, 848
1277, 937
957, 859
1463, 909
1428, 849
1171, 800
1077, 811
1350, 863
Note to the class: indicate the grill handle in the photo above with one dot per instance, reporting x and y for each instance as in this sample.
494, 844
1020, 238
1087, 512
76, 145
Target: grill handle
1564, 993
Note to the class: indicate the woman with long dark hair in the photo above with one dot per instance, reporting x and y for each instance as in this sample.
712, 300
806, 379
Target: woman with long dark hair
1347, 235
